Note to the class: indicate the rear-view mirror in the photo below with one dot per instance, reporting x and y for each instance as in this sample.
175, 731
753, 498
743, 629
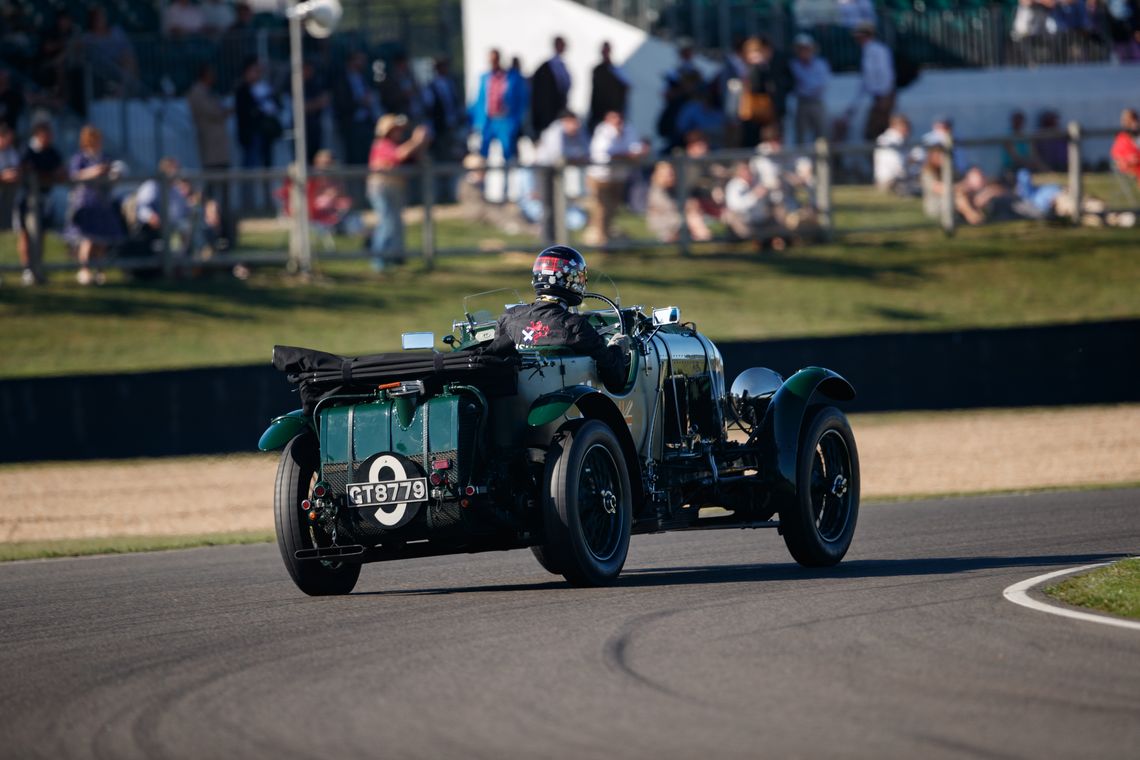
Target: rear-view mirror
669, 315
416, 340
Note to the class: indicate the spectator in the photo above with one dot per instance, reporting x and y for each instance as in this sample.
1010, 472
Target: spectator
182, 19
704, 185
1017, 152
9, 172
210, 127
1029, 20
108, 51
550, 89
762, 93
855, 13
386, 191
181, 216
1125, 151
499, 108
95, 223
877, 70
662, 216
443, 106
327, 200
613, 143
782, 177
11, 101
1052, 150
317, 100
399, 92
933, 187
1124, 28
240, 40
746, 203
356, 107
561, 142
811, 75
981, 197
609, 89
942, 134
41, 167
680, 85
896, 170
701, 115
258, 123
60, 71
1070, 16
217, 17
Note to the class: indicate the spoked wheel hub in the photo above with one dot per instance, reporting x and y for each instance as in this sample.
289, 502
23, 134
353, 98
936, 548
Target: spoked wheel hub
599, 494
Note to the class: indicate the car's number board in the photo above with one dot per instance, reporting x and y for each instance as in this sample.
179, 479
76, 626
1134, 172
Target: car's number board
387, 492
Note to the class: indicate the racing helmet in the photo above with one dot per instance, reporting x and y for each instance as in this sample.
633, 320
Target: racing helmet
560, 271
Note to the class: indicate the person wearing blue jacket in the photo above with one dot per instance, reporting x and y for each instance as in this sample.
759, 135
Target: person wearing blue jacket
500, 107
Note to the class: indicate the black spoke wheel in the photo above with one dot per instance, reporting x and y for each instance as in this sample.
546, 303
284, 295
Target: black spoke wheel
295, 476
819, 522
587, 505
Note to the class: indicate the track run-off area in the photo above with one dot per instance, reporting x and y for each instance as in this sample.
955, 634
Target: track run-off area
711, 642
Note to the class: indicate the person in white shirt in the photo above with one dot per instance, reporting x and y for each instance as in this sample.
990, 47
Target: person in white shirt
895, 168
811, 74
746, 202
613, 141
561, 142
878, 82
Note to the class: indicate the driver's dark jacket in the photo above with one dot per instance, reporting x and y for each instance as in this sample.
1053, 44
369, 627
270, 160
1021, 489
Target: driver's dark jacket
551, 323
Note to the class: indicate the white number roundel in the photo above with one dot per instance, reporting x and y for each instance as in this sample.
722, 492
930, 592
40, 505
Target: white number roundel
393, 518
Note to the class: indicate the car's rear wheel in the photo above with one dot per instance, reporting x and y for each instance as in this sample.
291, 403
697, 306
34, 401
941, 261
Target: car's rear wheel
587, 504
819, 522
295, 476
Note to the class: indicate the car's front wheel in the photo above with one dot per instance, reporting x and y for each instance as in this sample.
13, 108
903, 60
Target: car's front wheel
587, 504
295, 475
819, 522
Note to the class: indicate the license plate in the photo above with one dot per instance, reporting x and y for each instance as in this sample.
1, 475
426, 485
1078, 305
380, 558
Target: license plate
387, 492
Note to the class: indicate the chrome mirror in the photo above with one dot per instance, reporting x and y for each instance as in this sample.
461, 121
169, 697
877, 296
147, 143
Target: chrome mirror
669, 315
414, 340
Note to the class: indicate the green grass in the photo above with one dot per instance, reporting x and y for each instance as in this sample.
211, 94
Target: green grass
122, 545
1018, 273
1114, 589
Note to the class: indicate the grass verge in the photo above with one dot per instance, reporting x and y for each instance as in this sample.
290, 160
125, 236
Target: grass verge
123, 545
1114, 589
1017, 273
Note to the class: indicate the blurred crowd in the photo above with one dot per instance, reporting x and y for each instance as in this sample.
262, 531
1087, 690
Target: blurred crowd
719, 163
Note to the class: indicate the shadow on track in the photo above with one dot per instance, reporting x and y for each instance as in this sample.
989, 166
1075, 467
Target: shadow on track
750, 573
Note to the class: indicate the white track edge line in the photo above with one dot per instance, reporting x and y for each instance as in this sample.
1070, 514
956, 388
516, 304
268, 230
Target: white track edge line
1017, 594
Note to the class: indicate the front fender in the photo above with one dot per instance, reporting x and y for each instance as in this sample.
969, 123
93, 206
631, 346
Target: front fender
283, 429
780, 429
593, 404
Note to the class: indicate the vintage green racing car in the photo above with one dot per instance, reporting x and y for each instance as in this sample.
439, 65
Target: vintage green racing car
447, 449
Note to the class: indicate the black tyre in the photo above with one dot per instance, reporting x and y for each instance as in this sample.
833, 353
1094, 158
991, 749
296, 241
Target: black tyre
819, 522
295, 476
587, 504
542, 554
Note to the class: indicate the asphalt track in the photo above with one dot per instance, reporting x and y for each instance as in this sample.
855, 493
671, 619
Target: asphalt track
714, 644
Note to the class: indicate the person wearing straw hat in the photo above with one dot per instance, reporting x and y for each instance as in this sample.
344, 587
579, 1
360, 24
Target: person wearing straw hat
811, 74
389, 152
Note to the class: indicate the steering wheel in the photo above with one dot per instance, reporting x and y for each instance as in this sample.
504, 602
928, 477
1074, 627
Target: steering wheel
634, 354
603, 328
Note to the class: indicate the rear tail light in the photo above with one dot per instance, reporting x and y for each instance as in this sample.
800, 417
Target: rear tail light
470, 490
320, 490
306, 505
435, 478
440, 464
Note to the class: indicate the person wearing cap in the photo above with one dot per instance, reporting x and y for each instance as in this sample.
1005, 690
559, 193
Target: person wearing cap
877, 69
389, 152
941, 135
811, 74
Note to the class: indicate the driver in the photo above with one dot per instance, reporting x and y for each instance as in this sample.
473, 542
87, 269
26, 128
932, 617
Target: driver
559, 280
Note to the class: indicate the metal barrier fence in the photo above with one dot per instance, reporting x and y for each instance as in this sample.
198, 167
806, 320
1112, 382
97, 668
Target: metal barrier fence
448, 211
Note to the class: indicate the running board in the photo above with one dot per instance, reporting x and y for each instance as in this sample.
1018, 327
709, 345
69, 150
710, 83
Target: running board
329, 551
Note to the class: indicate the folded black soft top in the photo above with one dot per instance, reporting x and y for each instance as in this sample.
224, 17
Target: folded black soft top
319, 373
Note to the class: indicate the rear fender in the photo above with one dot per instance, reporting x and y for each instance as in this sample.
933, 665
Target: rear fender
284, 429
779, 433
595, 405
